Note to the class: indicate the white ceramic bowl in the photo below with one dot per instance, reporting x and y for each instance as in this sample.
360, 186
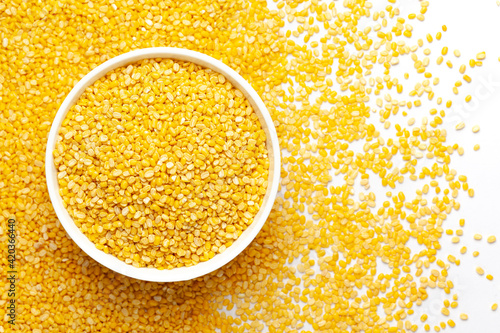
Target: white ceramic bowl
182, 273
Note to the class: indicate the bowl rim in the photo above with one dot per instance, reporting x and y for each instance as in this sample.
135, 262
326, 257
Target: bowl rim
181, 273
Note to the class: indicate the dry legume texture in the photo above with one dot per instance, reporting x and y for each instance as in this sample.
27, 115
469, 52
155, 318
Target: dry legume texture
335, 255
162, 163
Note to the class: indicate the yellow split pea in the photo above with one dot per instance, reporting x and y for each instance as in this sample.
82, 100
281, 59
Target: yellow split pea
162, 163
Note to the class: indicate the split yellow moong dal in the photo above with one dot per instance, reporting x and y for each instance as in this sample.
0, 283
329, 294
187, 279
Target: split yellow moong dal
162, 163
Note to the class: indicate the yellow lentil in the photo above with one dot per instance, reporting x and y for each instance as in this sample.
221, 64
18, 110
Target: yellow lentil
54, 44
176, 174
51, 45
481, 56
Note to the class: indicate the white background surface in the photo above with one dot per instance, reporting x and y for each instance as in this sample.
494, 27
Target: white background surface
473, 27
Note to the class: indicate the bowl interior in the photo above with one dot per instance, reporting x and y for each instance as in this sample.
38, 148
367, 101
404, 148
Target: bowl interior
182, 273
